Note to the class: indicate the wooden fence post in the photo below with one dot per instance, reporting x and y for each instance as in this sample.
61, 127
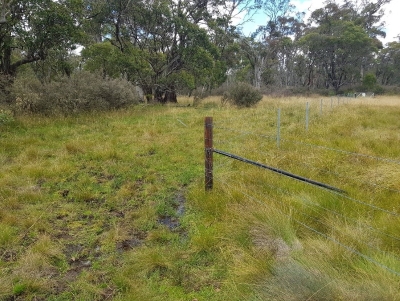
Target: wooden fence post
278, 131
321, 106
208, 149
307, 114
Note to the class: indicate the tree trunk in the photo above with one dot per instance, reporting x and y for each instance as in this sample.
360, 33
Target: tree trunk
5, 55
6, 82
158, 95
7, 73
148, 93
170, 96
258, 67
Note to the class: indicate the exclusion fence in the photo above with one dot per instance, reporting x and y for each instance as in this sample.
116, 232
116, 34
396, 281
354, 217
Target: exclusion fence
313, 218
209, 150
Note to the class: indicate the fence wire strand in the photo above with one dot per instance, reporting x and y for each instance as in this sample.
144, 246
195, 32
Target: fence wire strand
241, 142
342, 176
273, 136
388, 160
367, 204
311, 204
290, 217
318, 220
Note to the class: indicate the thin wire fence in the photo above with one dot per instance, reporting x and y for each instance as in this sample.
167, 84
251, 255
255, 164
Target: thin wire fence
314, 211
260, 200
334, 197
344, 176
272, 137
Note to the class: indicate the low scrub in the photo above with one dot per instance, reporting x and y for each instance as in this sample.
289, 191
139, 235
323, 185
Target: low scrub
81, 92
242, 95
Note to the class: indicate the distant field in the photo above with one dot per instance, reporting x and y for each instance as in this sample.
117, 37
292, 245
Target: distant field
111, 206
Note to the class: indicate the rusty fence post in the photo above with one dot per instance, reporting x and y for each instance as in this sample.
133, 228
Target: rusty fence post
208, 149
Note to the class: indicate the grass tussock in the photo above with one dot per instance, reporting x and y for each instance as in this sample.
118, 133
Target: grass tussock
111, 206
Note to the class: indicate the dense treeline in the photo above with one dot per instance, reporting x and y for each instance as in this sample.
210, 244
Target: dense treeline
165, 47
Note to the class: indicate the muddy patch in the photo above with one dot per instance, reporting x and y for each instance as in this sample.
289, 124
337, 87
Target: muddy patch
128, 244
8, 255
135, 240
173, 221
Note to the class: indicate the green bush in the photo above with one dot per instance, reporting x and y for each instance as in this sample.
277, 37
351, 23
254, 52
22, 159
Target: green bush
82, 92
369, 82
378, 90
242, 95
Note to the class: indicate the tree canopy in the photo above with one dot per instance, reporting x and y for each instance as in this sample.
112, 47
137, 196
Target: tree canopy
171, 46
29, 30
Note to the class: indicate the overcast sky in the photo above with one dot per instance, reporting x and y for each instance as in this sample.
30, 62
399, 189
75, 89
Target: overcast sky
391, 19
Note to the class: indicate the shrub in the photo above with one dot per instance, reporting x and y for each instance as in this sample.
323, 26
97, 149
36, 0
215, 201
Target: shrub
378, 90
369, 82
82, 92
242, 95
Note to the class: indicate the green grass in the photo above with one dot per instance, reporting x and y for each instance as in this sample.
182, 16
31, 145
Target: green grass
111, 206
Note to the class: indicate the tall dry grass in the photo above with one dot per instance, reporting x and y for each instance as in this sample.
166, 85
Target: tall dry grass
335, 247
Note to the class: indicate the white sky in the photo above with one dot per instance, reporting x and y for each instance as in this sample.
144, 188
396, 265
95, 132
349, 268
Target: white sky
391, 19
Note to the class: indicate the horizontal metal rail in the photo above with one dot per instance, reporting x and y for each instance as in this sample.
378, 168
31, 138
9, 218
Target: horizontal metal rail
279, 171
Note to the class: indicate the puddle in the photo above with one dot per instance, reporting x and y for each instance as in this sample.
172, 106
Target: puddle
172, 222
128, 244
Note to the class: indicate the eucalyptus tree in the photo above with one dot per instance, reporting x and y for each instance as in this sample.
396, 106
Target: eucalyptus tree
271, 47
367, 14
30, 29
341, 40
166, 45
388, 64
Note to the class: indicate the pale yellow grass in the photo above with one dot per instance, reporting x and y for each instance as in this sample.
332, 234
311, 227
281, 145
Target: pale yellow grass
313, 268
378, 101
270, 100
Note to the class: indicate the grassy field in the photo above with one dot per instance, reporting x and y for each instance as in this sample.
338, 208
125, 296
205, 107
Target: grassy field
111, 206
